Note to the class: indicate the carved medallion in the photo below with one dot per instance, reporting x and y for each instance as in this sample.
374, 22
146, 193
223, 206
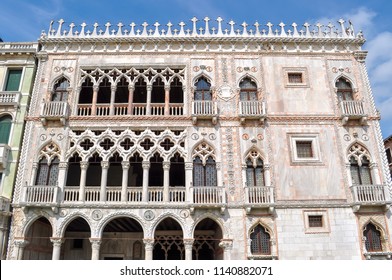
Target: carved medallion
245, 136
195, 136
212, 136
96, 215
347, 137
63, 213
149, 215
184, 213
365, 137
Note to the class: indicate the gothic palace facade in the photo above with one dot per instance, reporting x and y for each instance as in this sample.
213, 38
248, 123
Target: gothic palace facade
201, 142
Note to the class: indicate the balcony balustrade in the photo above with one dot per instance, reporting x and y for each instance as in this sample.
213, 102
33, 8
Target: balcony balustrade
259, 197
4, 154
9, 98
352, 110
370, 195
40, 196
252, 110
54, 110
208, 197
204, 110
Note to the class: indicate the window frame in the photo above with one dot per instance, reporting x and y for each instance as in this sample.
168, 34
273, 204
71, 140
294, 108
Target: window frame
7, 77
325, 228
296, 70
316, 152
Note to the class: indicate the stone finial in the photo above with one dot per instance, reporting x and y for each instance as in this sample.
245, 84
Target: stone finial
156, 33
282, 31
257, 26
107, 31
270, 32
169, 31
207, 29
61, 21
219, 20
194, 30
330, 26
232, 33
295, 31
245, 31
341, 22
182, 31
71, 27
307, 30
319, 30
132, 31
50, 27
95, 29
119, 31
144, 32
83, 25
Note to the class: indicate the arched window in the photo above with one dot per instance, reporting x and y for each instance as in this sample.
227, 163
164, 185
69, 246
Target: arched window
60, 90
47, 173
204, 166
105, 91
260, 241
248, 90
359, 165
345, 91
203, 90
254, 170
5, 129
86, 92
373, 238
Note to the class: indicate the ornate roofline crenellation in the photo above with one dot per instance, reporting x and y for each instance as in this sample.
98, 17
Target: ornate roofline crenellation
244, 31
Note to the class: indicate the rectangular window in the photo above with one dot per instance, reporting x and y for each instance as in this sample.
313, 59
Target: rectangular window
315, 220
389, 156
13, 80
304, 149
295, 78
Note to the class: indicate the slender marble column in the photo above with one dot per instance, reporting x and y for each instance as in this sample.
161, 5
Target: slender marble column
104, 180
188, 181
188, 243
167, 100
166, 175
57, 242
227, 245
34, 174
20, 245
83, 173
124, 186
146, 169
148, 105
375, 173
94, 101
149, 246
95, 246
131, 90
112, 99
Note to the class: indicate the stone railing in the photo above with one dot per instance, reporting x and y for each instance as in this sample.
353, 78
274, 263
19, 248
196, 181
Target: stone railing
54, 110
9, 97
371, 194
208, 195
204, 108
40, 195
352, 108
251, 108
177, 194
137, 109
4, 154
207, 30
259, 195
20, 47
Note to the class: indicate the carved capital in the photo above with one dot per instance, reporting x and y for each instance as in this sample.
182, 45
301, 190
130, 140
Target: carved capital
146, 164
35, 165
166, 165
104, 164
373, 165
188, 165
63, 165
149, 87
125, 164
148, 244
57, 241
267, 166
21, 242
95, 243
226, 244
84, 165
188, 243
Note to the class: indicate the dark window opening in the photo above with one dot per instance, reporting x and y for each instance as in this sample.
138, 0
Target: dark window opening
115, 171
389, 156
122, 91
47, 175
5, 128
360, 173
86, 92
204, 175
345, 91
77, 244
158, 91
254, 173
295, 78
177, 171
104, 91
73, 174
94, 171
176, 91
140, 92
155, 177
135, 175
373, 238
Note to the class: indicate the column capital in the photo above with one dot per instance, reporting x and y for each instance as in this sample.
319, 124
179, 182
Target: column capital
35, 165
373, 165
267, 166
166, 165
188, 165
95, 87
105, 164
149, 87
84, 164
63, 165
125, 164
188, 243
226, 244
95, 243
21, 242
148, 243
145, 164
167, 87
57, 241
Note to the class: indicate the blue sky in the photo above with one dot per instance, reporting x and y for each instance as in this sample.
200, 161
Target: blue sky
23, 20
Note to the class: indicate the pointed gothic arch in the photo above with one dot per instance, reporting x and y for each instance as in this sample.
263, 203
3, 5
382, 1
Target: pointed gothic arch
38, 232
374, 236
260, 236
359, 159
